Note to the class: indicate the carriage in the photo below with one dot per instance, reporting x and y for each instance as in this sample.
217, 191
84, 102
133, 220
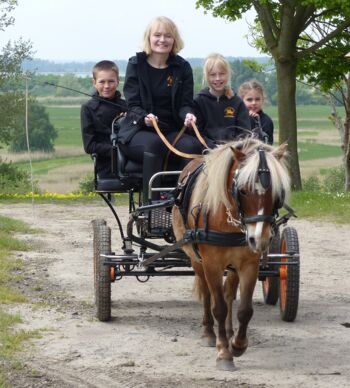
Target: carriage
148, 246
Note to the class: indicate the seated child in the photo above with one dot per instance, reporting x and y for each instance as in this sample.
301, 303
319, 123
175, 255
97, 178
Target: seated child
221, 114
252, 94
98, 114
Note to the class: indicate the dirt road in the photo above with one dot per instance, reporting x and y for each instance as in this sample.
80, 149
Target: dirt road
153, 338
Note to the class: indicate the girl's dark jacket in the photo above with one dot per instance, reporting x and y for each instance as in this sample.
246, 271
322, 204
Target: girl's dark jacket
266, 126
137, 92
221, 119
96, 117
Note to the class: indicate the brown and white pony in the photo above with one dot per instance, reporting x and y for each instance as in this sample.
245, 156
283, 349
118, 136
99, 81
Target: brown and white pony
233, 205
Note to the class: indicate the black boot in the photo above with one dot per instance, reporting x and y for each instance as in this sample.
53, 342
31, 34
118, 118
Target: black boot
151, 164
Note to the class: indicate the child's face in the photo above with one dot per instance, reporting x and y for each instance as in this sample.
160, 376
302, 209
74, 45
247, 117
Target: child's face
161, 40
253, 100
106, 83
217, 80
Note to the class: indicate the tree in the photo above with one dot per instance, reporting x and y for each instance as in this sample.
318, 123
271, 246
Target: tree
41, 132
287, 30
11, 57
329, 70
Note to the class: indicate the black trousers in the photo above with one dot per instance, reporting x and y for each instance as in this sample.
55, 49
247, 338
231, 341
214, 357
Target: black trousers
149, 141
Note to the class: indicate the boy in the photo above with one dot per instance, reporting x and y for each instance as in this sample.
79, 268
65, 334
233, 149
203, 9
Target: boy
98, 114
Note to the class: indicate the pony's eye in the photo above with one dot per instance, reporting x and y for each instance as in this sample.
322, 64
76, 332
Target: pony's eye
243, 192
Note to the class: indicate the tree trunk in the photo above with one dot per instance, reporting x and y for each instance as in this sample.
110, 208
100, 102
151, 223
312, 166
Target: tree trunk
287, 117
347, 136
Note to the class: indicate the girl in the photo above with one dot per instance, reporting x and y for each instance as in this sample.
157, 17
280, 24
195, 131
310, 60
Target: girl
221, 114
252, 94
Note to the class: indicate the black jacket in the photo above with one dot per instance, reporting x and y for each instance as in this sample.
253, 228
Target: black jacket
138, 94
96, 118
221, 119
266, 126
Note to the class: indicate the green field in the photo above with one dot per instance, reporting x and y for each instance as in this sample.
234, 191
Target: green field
318, 139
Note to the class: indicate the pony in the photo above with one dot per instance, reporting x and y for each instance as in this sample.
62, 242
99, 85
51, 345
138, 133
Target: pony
229, 210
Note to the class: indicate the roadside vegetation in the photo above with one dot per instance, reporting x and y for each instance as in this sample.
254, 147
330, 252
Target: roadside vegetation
11, 340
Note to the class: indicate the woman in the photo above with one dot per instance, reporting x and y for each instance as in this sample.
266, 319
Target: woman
158, 85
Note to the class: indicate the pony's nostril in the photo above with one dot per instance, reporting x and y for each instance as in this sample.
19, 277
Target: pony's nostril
251, 241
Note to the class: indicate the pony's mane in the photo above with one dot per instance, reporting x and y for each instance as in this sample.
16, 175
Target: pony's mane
211, 185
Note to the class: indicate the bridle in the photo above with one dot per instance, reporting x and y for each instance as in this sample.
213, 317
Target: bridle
264, 177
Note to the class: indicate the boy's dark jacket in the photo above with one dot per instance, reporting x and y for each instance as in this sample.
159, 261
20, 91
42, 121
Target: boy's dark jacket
96, 117
221, 119
137, 92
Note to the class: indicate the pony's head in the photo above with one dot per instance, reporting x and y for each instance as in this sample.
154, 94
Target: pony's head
251, 180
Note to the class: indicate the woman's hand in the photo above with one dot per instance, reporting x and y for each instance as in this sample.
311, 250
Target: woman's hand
149, 118
190, 119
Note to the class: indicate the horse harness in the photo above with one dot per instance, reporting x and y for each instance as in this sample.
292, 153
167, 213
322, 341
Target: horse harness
196, 235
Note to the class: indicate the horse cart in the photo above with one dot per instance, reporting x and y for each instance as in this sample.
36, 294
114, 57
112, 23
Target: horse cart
151, 244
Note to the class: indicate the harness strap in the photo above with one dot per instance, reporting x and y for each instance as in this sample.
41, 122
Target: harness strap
258, 218
201, 236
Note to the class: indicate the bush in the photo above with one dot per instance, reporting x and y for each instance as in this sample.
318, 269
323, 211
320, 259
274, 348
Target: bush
14, 181
312, 184
334, 180
87, 184
41, 132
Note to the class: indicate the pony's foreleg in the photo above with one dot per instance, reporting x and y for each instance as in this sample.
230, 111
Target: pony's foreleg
208, 337
247, 279
224, 359
230, 291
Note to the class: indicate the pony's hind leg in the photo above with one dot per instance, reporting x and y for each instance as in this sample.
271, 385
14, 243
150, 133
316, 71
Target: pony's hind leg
247, 279
230, 292
208, 337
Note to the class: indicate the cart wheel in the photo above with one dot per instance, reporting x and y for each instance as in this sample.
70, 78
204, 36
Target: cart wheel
289, 275
102, 276
270, 284
95, 223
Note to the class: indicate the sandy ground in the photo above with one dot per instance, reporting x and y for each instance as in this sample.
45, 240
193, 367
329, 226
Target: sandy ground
153, 337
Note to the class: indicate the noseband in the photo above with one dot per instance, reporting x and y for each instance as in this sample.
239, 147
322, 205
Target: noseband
264, 176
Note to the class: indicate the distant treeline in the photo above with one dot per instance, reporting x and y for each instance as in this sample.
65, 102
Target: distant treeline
77, 75
46, 66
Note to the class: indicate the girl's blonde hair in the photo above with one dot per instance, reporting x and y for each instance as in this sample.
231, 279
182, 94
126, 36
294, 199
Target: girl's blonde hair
216, 59
171, 29
251, 85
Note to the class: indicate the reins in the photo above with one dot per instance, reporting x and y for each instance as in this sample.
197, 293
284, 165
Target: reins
171, 146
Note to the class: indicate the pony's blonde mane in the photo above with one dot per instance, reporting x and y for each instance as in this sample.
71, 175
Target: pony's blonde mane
211, 186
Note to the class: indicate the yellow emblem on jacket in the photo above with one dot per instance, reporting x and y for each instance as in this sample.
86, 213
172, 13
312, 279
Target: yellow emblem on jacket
169, 80
229, 112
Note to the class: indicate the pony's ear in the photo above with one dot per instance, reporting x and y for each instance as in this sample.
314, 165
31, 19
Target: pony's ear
238, 153
281, 151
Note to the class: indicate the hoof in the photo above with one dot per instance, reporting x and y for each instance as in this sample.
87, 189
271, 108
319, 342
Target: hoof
237, 352
226, 365
208, 342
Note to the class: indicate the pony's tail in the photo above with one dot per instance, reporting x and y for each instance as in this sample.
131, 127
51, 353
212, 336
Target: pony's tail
198, 288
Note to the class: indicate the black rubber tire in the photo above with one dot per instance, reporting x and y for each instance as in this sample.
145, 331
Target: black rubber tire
102, 273
270, 286
289, 287
95, 223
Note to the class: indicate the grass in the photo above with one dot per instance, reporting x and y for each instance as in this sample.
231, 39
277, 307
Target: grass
330, 207
311, 151
43, 166
10, 341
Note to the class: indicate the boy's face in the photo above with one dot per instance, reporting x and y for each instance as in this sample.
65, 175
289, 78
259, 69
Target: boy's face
106, 83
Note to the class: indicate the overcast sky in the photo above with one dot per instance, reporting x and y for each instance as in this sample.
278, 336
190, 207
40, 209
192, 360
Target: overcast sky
78, 30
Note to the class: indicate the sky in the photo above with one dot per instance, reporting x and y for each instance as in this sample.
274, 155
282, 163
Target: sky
80, 30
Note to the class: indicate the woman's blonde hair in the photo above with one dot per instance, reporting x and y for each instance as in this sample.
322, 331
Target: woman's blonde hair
251, 85
216, 59
171, 29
